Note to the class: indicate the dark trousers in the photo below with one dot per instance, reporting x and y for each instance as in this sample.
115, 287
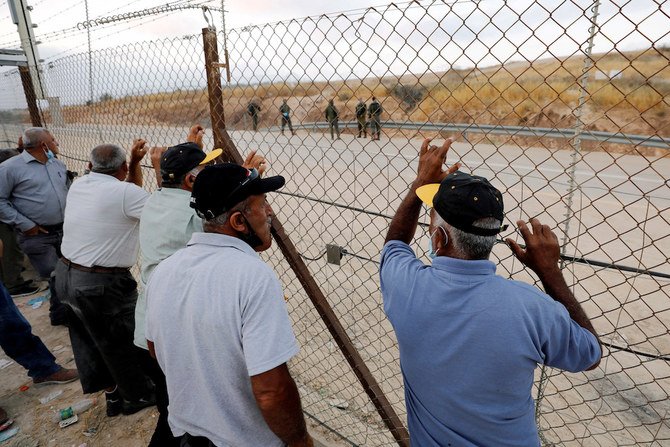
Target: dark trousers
254, 121
376, 127
162, 436
334, 125
43, 251
101, 325
194, 441
12, 258
18, 341
362, 126
284, 122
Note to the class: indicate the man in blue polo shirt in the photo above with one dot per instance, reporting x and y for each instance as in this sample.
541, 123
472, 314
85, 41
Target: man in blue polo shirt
469, 339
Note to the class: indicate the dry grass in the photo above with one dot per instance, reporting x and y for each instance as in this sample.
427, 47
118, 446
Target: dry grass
540, 93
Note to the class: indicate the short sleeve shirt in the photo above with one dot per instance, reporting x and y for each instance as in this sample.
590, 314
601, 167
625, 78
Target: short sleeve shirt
166, 225
217, 316
102, 218
469, 342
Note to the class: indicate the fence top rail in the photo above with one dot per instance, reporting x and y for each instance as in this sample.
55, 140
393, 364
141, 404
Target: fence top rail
593, 135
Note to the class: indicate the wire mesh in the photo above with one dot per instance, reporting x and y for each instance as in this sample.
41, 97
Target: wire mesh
497, 71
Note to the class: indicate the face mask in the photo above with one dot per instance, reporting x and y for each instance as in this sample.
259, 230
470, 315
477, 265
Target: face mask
50, 155
431, 252
251, 238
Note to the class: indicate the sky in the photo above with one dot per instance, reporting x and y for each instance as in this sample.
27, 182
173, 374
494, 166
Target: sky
362, 42
53, 15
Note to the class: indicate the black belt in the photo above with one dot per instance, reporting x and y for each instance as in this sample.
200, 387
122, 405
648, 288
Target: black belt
95, 268
54, 227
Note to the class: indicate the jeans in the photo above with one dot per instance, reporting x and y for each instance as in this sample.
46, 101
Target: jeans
12, 258
18, 341
101, 325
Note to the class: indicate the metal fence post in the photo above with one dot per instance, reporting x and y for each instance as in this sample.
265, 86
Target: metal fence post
31, 99
223, 140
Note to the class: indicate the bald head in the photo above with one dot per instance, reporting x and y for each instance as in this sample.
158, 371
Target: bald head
107, 158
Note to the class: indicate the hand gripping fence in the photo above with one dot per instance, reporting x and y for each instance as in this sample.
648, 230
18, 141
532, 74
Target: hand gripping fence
562, 105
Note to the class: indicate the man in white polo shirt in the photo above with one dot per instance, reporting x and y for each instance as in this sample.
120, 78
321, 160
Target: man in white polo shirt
93, 279
218, 325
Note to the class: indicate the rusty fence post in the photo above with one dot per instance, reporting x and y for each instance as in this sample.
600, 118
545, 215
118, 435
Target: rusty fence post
31, 98
337, 331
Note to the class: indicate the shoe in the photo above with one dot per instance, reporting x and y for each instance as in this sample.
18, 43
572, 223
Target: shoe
59, 316
114, 403
5, 422
135, 406
61, 376
25, 289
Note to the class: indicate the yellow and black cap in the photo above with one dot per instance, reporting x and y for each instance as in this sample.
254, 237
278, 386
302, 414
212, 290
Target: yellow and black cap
462, 199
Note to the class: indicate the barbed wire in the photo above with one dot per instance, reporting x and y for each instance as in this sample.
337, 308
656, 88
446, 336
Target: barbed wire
343, 192
73, 48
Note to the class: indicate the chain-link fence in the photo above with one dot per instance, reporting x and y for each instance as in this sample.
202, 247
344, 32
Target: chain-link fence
563, 106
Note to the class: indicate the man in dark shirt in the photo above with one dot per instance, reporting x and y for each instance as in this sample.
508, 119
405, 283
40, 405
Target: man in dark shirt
361, 110
333, 116
253, 109
375, 113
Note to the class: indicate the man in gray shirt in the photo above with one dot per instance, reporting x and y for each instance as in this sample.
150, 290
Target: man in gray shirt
217, 322
33, 188
12, 256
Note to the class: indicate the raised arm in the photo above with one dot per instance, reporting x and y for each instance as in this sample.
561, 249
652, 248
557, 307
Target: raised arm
195, 135
541, 255
431, 159
137, 153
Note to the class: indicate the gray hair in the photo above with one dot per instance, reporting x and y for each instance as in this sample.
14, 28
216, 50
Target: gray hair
177, 181
468, 245
222, 219
33, 136
107, 158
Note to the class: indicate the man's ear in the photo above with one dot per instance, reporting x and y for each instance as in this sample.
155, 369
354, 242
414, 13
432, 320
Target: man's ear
238, 222
90, 165
441, 241
189, 180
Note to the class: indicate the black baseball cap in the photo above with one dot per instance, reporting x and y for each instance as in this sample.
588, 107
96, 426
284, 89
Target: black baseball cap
463, 198
179, 159
219, 188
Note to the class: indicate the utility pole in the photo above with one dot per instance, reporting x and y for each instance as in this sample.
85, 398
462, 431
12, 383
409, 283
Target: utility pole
20, 13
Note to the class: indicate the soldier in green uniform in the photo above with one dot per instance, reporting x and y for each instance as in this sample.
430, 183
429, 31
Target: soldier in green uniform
285, 111
333, 116
374, 113
361, 110
253, 109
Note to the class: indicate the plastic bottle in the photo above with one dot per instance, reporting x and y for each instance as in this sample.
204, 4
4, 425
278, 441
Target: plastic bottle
76, 408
